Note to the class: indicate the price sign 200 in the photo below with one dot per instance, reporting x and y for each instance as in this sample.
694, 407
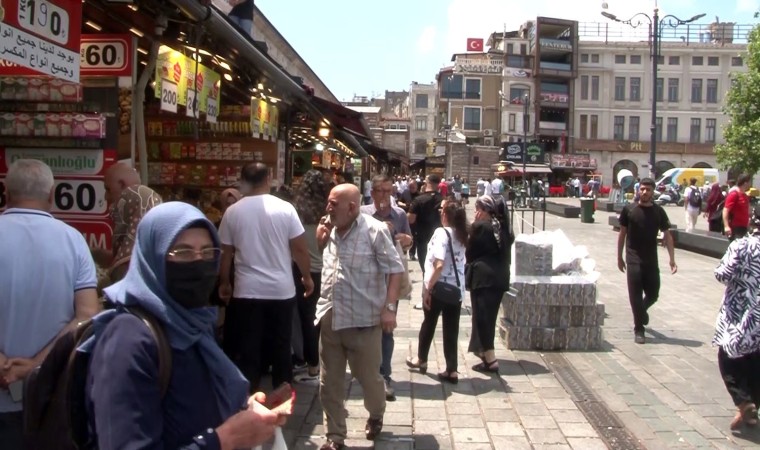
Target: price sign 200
168, 96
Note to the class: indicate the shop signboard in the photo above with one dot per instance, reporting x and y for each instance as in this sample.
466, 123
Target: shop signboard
265, 120
42, 35
573, 162
106, 54
177, 68
482, 64
513, 152
554, 97
97, 233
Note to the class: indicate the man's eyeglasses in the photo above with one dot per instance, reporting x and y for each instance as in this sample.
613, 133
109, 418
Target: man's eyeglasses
188, 254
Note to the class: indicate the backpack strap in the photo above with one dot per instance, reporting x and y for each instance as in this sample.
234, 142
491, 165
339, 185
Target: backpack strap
164, 349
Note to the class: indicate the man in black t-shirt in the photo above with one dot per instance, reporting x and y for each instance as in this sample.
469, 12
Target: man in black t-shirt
425, 216
639, 225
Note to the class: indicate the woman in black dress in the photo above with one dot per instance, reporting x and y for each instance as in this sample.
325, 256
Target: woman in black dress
488, 257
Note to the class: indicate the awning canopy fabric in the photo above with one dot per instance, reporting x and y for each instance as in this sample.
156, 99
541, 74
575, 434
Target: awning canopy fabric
516, 170
341, 117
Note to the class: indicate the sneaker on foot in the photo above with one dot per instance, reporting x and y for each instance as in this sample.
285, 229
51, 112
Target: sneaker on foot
639, 337
306, 377
390, 393
418, 305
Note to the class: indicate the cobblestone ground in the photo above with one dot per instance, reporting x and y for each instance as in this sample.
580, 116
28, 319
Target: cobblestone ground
666, 393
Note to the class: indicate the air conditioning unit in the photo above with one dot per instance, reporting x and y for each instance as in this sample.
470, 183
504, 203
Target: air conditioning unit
488, 142
488, 133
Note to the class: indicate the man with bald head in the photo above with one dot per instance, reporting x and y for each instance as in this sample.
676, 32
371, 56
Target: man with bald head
361, 276
129, 201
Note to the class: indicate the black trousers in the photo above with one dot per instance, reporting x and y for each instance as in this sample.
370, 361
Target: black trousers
413, 248
12, 431
740, 375
450, 332
422, 251
260, 332
485, 312
307, 311
643, 290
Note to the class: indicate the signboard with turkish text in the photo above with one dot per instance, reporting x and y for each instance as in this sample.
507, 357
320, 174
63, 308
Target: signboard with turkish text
573, 162
42, 35
177, 68
98, 233
554, 97
106, 54
478, 64
513, 152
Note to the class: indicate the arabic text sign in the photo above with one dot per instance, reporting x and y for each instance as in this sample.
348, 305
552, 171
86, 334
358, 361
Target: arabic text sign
42, 35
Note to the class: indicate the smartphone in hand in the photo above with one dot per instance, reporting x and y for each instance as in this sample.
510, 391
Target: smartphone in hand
282, 400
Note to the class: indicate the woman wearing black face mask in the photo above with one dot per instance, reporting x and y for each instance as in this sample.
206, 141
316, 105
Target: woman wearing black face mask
171, 274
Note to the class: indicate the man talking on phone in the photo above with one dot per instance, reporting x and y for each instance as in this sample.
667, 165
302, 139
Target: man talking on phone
48, 281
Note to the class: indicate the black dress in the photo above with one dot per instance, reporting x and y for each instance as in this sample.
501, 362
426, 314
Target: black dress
487, 278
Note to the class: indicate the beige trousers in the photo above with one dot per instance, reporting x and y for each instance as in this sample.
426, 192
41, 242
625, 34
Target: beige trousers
362, 349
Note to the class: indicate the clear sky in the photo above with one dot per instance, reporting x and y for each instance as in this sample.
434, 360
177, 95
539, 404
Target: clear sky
363, 47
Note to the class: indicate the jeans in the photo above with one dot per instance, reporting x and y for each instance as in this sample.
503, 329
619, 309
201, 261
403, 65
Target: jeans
450, 332
740, 377
643, 290
385, 365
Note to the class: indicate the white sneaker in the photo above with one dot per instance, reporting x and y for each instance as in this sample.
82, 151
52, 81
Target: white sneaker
418, 305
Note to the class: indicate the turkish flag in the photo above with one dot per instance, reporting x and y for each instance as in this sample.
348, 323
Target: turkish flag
474, 45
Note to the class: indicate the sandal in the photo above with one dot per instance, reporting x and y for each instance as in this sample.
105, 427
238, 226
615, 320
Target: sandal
416, 363
450, 377
747, 415
487, 367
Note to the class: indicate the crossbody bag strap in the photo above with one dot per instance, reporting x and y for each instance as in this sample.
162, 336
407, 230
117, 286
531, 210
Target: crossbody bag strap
453, 259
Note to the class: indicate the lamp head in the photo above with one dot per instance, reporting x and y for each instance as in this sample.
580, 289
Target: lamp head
610, 16
697, 17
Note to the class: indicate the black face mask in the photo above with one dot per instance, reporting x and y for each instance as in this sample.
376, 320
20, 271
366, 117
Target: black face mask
190, 283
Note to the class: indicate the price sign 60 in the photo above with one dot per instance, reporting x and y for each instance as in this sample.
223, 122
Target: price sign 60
109, 55
72, 197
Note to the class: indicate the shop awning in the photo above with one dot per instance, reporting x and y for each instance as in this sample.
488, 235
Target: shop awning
341, 117
516, 170
352, 143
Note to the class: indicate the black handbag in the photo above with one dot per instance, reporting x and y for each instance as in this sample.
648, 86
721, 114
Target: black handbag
446, 293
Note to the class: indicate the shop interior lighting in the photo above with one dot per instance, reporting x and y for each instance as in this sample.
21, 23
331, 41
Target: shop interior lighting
224, 65
260, 86
142, 50
136, 32
93, 25
133, 7
320, 147
324, 132
201, 51
228, 77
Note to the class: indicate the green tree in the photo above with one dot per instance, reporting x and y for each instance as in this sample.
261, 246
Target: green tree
742, 133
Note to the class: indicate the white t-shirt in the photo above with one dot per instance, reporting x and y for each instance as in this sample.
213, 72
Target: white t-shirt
367, 188
686, 194
260, 228
438, 248
488, 188
496, 186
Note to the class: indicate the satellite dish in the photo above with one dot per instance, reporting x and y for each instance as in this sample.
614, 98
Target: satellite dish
625, 179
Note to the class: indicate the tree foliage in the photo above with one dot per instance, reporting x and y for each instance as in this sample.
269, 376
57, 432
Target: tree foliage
742, 133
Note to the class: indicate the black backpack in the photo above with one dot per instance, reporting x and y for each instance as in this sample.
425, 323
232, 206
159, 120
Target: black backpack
695, 197
55, 417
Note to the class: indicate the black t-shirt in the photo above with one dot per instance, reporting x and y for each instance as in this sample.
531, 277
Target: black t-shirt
427, 210
243, 10
643, 223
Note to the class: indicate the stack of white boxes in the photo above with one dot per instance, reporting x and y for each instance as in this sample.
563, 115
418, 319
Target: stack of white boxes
548, 311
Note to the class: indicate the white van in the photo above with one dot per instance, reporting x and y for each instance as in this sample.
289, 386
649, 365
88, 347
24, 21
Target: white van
682, 175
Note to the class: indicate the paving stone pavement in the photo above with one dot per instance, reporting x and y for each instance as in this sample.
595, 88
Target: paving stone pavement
667, 393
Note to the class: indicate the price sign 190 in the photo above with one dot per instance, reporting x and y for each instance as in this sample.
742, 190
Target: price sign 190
109, 55
45, 19
74, 197
192, 104
168, 96
212, 110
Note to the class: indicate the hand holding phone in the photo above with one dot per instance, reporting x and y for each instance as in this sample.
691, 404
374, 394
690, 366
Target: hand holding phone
282, 400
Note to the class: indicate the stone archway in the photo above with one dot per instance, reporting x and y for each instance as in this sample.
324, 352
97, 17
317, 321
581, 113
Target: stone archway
702, 165
661, 167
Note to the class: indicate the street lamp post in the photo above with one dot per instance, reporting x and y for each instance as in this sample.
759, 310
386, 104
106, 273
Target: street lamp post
656, 23
526, 123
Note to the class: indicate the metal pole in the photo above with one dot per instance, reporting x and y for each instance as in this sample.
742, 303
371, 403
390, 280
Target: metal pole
526, 100
653, 126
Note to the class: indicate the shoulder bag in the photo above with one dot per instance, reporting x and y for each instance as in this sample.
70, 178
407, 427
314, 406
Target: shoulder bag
444, 292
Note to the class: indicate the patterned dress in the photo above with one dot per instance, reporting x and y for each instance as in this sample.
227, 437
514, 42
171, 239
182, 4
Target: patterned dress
737, 329
134, 203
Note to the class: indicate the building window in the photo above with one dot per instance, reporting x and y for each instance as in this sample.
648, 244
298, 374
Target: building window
618, 130
619, 88
710, 130
595, 57
696, 90
512, 121
523, 49
736, 61
713, 61
712, 90
421, 101
659, 89
471, 119
635, 89
661, 60
674, 60
697, 61
584, 126
695, 131
635, 59
476, 159
658, 129
633, 128
672, 129
472, 88
673, 89
619, 59
594, 126
584, 57
584, 87
595, 87
510, 49
420, 123
517, 94
452, 86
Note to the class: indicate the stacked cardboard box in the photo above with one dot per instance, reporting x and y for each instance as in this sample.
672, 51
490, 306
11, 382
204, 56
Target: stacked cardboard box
547, 312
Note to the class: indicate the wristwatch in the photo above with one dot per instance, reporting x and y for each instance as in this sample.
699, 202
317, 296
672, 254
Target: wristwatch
390, 307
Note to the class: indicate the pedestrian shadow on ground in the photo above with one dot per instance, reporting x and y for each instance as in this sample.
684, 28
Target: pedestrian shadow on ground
660, 338
747, 434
